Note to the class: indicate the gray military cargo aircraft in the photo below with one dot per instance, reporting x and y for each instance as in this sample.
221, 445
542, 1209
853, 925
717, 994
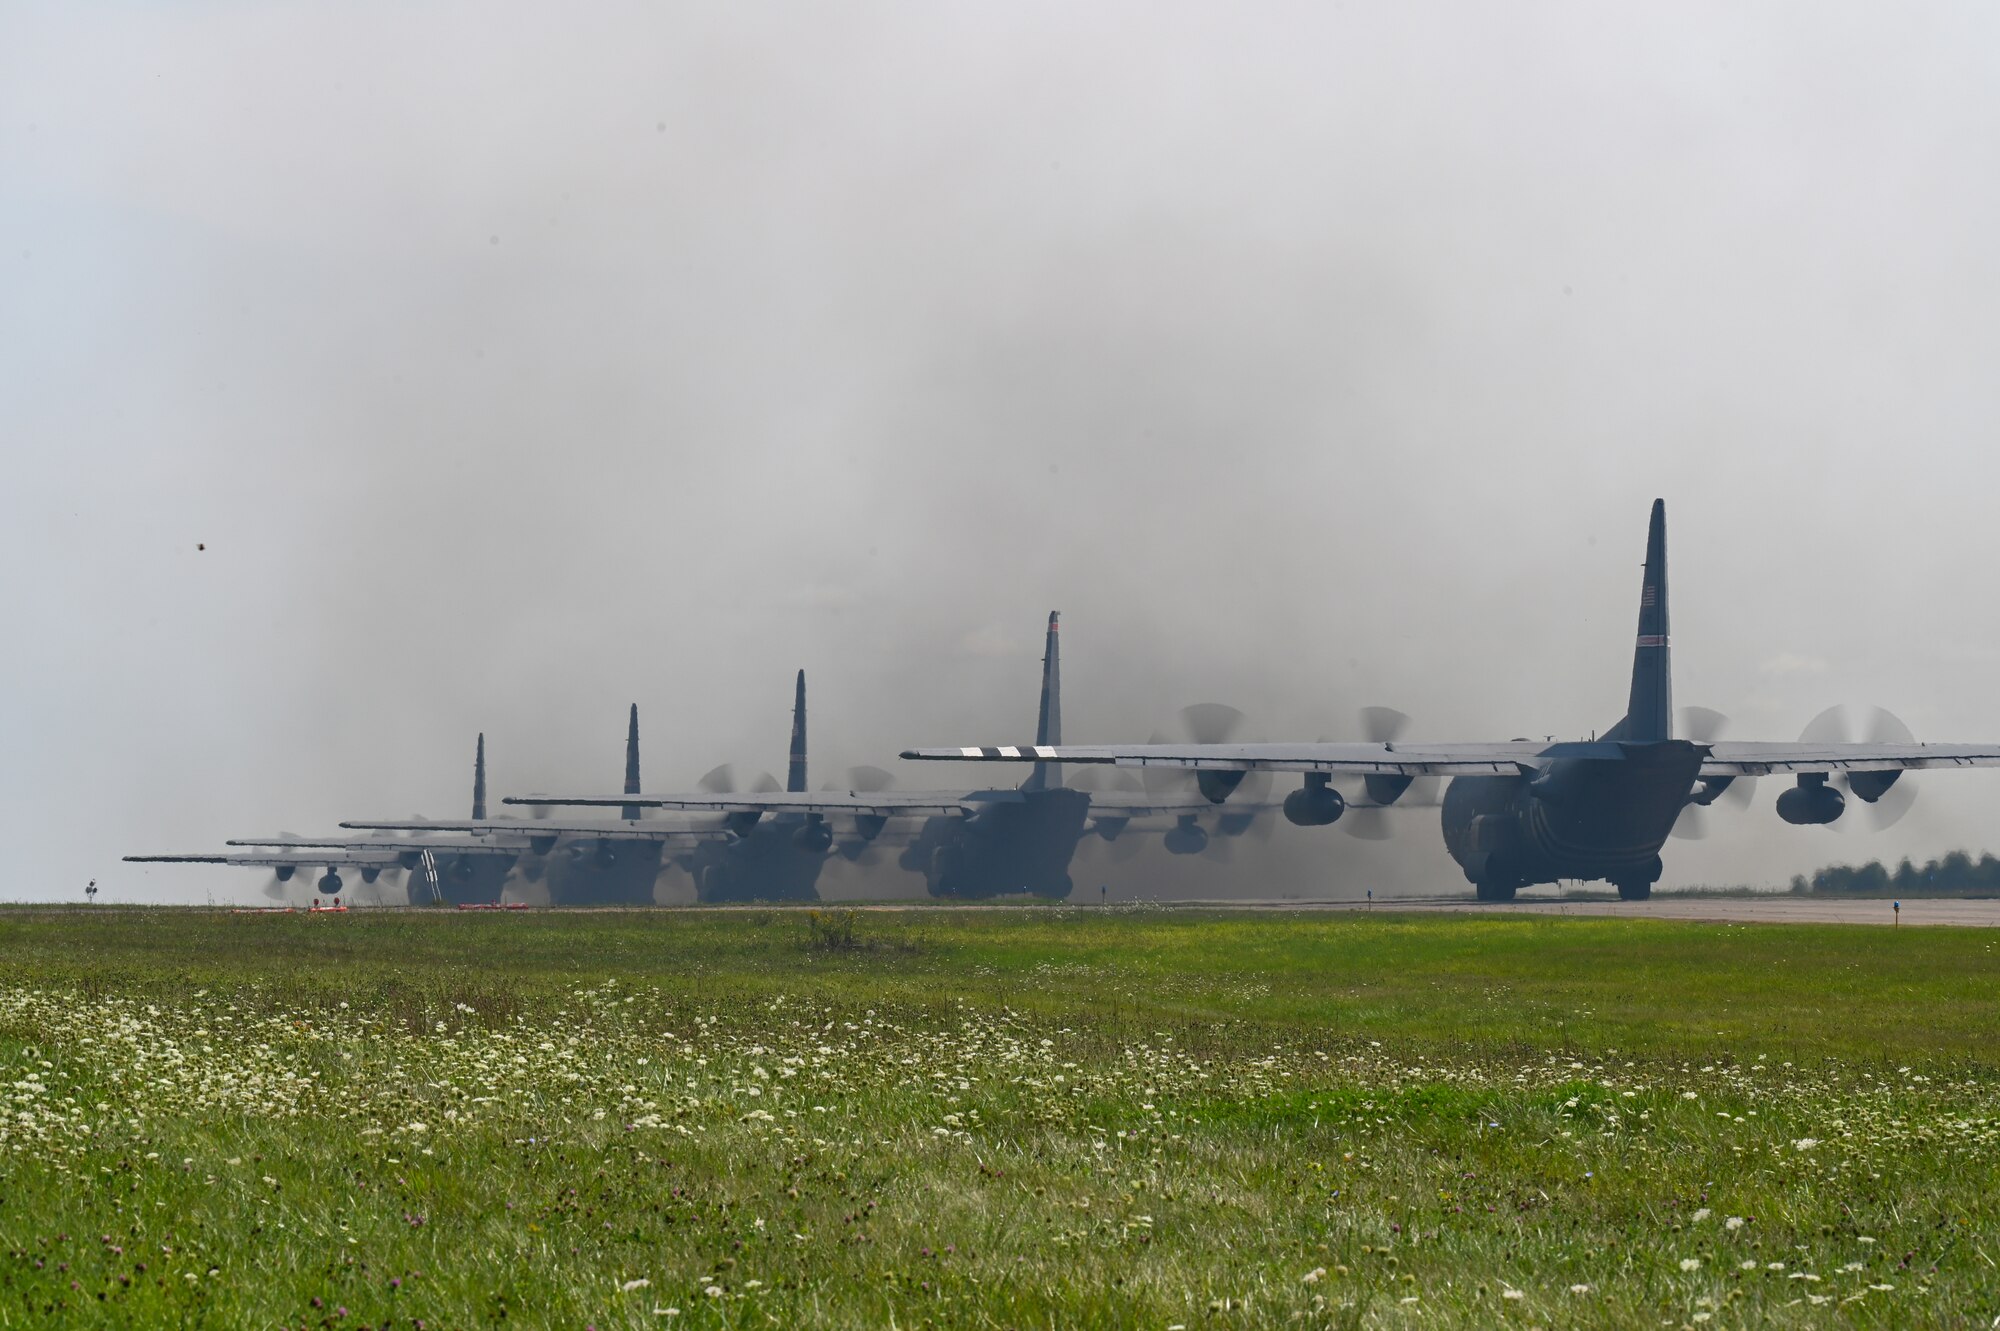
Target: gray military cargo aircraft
971, 843
458, 870
588, 862
1524, 812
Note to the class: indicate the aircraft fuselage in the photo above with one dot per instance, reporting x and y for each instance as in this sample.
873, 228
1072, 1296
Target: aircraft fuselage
1008, 847
1577, 817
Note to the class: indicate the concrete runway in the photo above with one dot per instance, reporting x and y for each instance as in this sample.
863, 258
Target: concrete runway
1774, 909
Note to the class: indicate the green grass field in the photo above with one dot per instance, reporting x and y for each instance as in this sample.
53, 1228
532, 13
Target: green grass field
1033, 1118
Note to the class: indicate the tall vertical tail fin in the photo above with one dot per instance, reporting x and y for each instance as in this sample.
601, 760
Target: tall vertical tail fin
1649, 713
795, 775
1048, 724
631, 811
479, 779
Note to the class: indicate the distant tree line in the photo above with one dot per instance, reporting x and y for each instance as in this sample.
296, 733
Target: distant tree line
1957, 874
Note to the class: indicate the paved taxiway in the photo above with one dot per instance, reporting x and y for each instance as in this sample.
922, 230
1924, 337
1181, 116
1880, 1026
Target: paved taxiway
1775, 909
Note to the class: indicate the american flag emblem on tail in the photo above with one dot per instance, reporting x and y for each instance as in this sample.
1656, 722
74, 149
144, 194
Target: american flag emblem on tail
1652, 639
1649, 597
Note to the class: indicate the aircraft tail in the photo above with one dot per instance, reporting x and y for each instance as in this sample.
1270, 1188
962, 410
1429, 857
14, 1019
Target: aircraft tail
631, 811
1649, 713
1048, 724
479, 779
795, 775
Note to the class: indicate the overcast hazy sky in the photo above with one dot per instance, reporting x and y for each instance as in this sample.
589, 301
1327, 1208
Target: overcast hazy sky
515, 363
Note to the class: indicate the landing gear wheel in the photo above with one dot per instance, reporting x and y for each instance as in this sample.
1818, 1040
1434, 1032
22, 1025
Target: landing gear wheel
1493, 889
1635, 891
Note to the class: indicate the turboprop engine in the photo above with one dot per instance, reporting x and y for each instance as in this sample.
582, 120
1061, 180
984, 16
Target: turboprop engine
1811, 801
1314, 804
814, 836
1185, 837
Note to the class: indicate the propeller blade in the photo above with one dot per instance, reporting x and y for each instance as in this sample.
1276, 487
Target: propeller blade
766, 784
869, 779
1703, 725
1369, 824
1127, 780
1887, 811
1831, 726
1885, 727
1692, 825
1382, 725
1220, 849
720, 780
1124, 849
1211, 722
1426, 792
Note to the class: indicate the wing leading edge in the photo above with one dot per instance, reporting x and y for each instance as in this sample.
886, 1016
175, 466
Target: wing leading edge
1510, 758
883, 803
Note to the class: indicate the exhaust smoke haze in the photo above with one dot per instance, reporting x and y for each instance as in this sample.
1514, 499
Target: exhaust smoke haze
374, 377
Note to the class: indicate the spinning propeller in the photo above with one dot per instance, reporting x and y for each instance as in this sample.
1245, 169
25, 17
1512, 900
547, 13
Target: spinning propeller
1214, 723
1886, 795
1371, 822
1705, 725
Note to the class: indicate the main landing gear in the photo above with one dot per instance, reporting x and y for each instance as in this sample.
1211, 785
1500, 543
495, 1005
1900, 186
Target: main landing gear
1639, 886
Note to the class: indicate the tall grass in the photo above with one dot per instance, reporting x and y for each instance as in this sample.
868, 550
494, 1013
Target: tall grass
991, 1118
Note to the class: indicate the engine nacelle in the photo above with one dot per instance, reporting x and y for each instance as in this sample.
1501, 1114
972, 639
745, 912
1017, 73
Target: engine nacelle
285, 872
409, 859
1109, 828
1314, 804
1871, 786
1386, 787
815, 837
1186, 838
370, 872
541, 845
331, 884
1217, 785
1811, 802
868, 826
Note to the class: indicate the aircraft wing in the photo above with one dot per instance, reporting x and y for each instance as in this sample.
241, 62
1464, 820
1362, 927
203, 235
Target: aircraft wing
1748, 758
276, 859
1518, 757
400, 847
1348, 759
507, 831
878, 803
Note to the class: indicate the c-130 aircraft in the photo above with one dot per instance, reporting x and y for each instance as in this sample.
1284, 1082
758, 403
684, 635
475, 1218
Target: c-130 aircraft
971, 843
1525, 812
